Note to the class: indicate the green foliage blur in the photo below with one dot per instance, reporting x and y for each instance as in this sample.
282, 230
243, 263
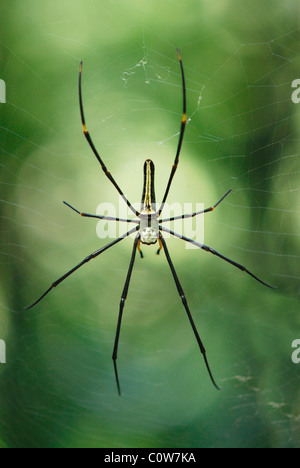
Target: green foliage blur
57, 388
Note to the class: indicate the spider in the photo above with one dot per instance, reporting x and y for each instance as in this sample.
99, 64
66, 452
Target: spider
148, 228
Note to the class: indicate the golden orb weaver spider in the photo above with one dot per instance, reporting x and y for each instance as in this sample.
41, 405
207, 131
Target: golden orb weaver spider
149, 229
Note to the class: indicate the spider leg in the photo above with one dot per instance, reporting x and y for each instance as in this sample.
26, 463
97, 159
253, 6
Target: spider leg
122, 304
90, 142
182, 129
86, 260
207, 210
160, 246
105, 218
184, 301
139, 248
214, 252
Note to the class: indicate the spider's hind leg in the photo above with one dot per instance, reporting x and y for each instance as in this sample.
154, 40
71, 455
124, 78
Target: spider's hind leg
160, 246
139, 248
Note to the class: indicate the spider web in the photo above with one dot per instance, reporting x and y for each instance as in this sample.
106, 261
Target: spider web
57, 386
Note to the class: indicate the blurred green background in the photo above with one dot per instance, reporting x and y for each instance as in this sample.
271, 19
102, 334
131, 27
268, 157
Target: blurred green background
57, 388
